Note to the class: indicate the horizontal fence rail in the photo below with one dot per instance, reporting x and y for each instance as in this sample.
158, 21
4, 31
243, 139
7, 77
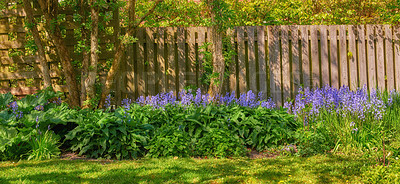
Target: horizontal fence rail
274, 60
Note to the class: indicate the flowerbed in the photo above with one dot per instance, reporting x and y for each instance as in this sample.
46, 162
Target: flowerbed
317, 121
193, 125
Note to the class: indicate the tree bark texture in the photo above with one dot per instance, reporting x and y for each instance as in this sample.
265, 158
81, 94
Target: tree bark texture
218, 63
85, 54
94, 57
35, 33
218, 58
121, 48
49, 8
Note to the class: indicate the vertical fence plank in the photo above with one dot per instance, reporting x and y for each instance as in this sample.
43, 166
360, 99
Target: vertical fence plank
262, 67
140, 62
233, 63
201, 38
274, 63
161, 83
151, 80
285, 62
241, 60
344, 75
396, 37
370, 34
389, 57
296, 70
314, 56
333, 50
324, 55
305, 55
191, 60
130, 72
352, 54
252, 59
181, 58
171, 75
380, 57
362, 61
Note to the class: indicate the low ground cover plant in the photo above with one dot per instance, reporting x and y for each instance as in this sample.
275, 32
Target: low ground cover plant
317, 121
192, 124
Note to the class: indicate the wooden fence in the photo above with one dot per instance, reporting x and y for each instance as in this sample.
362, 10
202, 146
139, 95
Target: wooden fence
275, 60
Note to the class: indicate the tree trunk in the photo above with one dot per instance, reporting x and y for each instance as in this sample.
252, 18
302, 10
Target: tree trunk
35, 33
49, 8
218, 63
121, 48
218, 58
85, 54
94, 57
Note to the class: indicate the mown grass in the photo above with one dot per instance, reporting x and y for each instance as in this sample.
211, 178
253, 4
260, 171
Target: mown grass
284, 169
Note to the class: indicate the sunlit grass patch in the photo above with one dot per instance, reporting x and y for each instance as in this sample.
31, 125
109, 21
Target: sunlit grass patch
316, 169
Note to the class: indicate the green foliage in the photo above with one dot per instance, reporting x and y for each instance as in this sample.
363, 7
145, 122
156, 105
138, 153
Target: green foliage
275, 12
315, 141
108, 135
170, 141
220, 142
382, 174
44, 145
5, 99
18, 121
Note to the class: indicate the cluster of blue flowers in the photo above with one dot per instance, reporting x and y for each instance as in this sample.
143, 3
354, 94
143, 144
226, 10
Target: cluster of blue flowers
16, 112
343, 101
188, 98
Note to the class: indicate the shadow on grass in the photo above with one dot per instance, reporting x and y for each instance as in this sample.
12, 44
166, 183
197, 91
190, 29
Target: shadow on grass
319, 169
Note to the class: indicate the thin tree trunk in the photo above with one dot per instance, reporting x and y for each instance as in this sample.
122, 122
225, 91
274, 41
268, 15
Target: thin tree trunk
35, 33
85, 54
218, 63
49, 8
121, 49
94, 57
218, 59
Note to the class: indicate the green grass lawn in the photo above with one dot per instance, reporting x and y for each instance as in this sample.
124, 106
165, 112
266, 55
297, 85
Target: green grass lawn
317, 169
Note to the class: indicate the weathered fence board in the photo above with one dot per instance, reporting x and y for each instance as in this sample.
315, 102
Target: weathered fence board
274, 63
380, 56
181, 67
315, 56
285, 62
396, 49
161, 77
171, 75
305, 55
333, 50
274, 60
296, 70
352, 55
252, 58
362, 61
261, 61
370, 34
344, 76
389, 56
241, 60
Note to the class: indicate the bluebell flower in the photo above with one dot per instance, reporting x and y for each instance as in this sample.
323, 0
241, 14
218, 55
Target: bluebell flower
39, 108
108, 101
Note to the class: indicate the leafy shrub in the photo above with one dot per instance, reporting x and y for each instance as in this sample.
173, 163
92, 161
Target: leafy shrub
219, 142
18, 120
170, 141
109, 135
